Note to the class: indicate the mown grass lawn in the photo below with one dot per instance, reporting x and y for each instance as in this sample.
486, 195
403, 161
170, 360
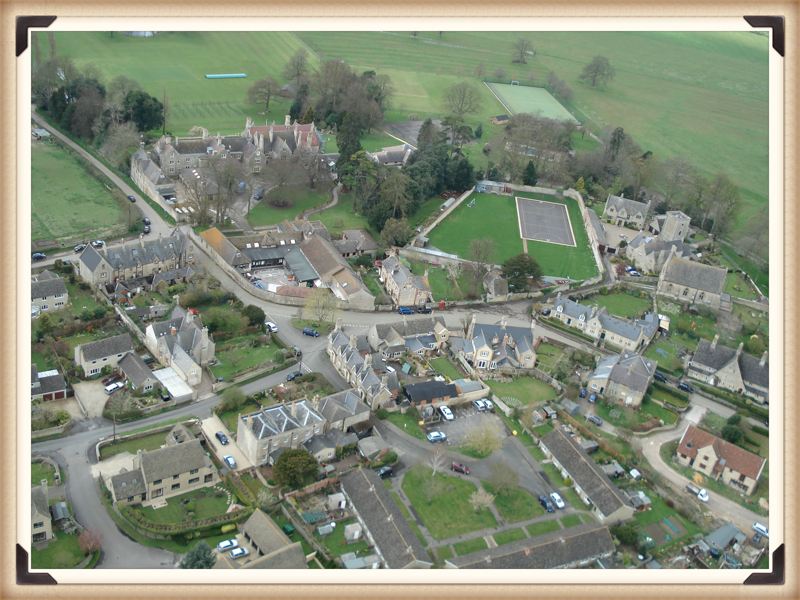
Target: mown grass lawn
444, 366
39, 471
205, 503
146, 442
738, 287
525, 390
61, 553
442, 503
443, 286
621, 304
570, 521
336, 544
229, 418
571, 497
409, 423
542, 527
548, 355
509, 535
302, 199
553, 474
469, 546
515, 504
343, 216
238, 355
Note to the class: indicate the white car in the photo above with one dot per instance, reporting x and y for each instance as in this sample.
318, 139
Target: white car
272, 327
436, 436
446, 413
227, 545
702, 495
238, 553
230, 461
390, 369
479, 404
488, 404
557, 500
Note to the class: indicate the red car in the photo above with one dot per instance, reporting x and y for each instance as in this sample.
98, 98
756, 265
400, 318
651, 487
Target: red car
459, 468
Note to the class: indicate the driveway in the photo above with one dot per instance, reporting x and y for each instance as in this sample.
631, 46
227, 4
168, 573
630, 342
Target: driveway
210, 427
92, 396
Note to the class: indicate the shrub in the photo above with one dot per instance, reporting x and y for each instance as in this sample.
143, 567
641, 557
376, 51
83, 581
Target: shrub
228, 527
734, 419
760, 430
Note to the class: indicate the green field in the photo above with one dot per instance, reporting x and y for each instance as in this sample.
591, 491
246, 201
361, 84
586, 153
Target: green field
464, 224
303, 199
534, 100
63, 194
621, 304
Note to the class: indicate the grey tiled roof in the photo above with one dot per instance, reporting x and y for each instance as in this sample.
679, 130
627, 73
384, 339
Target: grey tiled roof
585, 472
135, 369
90, 257
630, 205
382, 517
554, 550
265, 533
713, 358
682, 271
39, 500
127, 484
47, 383
118, 344
723, 536
341, 406
621, 327
633, 371
402, 274
428, 390
43, 287
174, 460
138, 252
752, 372
571, 308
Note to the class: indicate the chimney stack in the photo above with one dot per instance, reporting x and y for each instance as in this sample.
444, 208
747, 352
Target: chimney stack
353, 341
739, 350
172, 330
471, 327
43, 483
714, 342
503, 322
763, 360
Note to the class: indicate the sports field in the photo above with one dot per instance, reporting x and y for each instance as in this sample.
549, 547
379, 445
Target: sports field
534, 100
69, 204
495, 217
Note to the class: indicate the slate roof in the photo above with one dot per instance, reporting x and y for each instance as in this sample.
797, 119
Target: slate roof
274, 549
277, 419
117, 344
716, 357
619, 326
411, 327
127, 484
631, 206
47, 284
402, 275
364, 239
633, 371
39, 500
135, 369
382, 517
173, 460
49, 381
555, 550
682, 271
752, 371
724, 536
342, 405
428, 390
139, 252
90, 257
300, 265
585, 472
730, 455
598, 227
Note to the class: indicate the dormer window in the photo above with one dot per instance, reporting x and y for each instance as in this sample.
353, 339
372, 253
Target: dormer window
560, 309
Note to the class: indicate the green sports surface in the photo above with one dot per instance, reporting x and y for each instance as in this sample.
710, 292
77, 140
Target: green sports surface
534, 100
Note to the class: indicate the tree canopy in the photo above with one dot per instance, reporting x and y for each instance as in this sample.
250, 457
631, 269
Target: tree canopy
295, 468
597, 72
199, 557
520, 271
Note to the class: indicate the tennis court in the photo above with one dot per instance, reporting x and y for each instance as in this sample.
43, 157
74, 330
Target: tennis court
543, 221
534, 100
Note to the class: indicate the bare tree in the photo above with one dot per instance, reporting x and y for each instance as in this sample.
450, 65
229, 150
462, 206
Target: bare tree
261, 92
297, 66
599, 71
521, 49
228, 172
436, 461
462, 98
480, 251
320, 306
89, 541
503, 478
121, 141
480, 500
484, 437
285, 171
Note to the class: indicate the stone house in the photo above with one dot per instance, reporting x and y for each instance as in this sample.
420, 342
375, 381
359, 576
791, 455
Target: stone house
94, 356
182, 343
161, 474
626, 212
282, 141
623, 378
392, 156
731, 369
41, 521
673, 226
146, 174
376, 387
404, 288
47, 385
419, 336
648, 254
691, 282
140, 377
496, 348
48, 292
720, 460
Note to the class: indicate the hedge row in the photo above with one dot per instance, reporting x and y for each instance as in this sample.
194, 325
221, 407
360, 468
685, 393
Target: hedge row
736, 399
241, 489
137, 518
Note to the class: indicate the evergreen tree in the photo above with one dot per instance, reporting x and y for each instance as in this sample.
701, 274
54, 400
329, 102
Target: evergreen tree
529, 176
199, 557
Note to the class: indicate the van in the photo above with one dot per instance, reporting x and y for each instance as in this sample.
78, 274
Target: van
113, 387
761, 529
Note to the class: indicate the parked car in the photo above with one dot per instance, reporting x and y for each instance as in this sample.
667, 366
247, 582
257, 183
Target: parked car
635, 274
385, 472
238, 553
223, 439
595, 419
582, 393
113, 387
629, 268
227, 545
683, 386
459, 468
488, 404
447, 413
479, 404
230, 461
556, 498
761, 529
405, 310
272, 327
132, 198
145, 220
546, 504
424, 310
703, 495
98, 243
294, 375
592, 398
545, 312
310, 331
436, 436
79, 248
146, 229
390, 369
660, 377
37, 256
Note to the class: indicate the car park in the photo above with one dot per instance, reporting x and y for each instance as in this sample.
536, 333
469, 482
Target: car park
385, 472
447, 413
227, 545
37, 256
223, 439
685, 387
557, 500
435, 437
238, 553
459, 468
405, 310
660, 377
595, 419
310, 331
79, 248
294, 375
230, 461
479, 405
271, 327
98, 243
132, 198
546, 504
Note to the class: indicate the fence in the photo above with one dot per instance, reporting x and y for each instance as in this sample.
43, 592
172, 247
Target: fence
42, 433
134, 329
445, 213
590, 231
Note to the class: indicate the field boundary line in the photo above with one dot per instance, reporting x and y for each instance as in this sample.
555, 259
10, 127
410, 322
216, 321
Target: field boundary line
399, 139
498, 98
517, 199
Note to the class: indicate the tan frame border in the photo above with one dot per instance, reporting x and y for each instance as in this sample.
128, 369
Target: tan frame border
360, 8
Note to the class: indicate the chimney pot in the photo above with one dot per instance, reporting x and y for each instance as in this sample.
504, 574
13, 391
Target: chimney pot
763, 360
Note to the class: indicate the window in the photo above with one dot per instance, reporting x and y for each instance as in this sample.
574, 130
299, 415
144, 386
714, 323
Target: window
701, 295
742, 478
158, 492
44, 306
130, 498
686, 291
38, 525
93, 371
208, 478
175, 486
481, 364
194, 480
156, 482
193, 471
175, 477
701, 466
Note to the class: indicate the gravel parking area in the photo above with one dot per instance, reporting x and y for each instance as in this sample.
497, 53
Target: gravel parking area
92, 396
465, 418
